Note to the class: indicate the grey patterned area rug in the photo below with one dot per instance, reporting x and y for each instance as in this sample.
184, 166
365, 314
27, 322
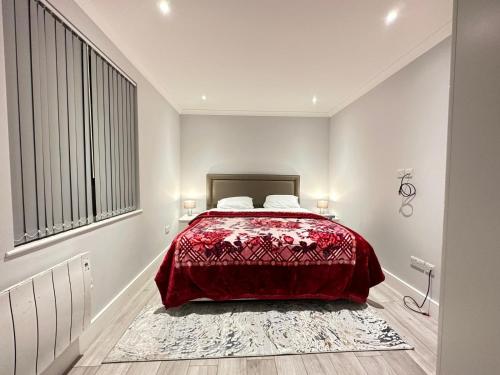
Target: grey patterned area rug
253, 328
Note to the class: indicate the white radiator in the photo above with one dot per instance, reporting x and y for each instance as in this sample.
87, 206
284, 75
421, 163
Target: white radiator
41, 316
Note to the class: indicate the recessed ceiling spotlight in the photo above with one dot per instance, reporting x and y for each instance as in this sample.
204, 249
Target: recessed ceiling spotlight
203, 97
391, 16
314, 99
164, 7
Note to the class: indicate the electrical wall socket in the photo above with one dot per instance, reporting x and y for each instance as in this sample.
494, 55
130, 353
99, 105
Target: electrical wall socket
421, 264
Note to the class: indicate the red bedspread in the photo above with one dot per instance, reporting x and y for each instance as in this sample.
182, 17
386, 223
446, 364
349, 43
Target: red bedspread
267, 255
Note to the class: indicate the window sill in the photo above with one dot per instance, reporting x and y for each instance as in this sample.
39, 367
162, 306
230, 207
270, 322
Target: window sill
40, 244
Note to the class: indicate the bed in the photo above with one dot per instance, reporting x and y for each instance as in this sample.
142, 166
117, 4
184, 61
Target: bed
265, 254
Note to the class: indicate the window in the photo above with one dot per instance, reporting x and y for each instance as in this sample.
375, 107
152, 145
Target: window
72, 126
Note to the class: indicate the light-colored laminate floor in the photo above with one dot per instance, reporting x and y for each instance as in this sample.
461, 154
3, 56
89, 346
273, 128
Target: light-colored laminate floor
421, 332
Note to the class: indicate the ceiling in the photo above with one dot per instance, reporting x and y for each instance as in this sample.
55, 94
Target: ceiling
269, 57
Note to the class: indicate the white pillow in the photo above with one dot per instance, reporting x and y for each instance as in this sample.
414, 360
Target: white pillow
281, 201
235, 203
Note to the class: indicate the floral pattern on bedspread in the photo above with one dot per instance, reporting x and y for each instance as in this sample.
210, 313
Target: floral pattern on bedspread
265, 241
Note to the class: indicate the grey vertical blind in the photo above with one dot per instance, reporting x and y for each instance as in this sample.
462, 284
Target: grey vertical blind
113, 126
72, 126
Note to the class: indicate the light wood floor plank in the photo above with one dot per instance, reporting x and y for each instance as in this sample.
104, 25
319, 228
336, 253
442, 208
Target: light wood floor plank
376, 365
113, 369
204, 362
261, 366
202, 370
428, 325
173, 368
143, 368
347, 364
231, 366
318, 364
392, 294
378, 295
402, 363
155, 298
84, 370
290, 365
367, 354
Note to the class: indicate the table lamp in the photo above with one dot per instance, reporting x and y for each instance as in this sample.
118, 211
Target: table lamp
322, 205
189, 205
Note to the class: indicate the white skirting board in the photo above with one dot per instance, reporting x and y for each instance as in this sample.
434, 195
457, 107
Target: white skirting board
405, 289
104, 317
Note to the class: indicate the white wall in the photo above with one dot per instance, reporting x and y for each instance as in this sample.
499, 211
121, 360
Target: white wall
402, 123
470, 304
119, 251
234, 144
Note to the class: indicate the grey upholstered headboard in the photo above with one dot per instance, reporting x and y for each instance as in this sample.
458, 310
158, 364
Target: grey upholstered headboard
257, 186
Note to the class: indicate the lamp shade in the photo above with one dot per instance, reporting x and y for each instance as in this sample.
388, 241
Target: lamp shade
189, 204
322, 204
